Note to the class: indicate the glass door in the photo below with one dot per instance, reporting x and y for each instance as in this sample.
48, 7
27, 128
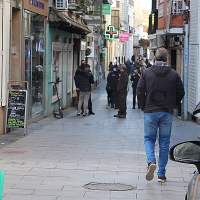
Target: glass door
34, 75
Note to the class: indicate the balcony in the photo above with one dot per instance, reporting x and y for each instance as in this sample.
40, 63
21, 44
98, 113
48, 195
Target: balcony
78, 6
93, 14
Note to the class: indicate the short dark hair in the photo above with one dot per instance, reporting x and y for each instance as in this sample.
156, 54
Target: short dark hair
161, 54
86, 65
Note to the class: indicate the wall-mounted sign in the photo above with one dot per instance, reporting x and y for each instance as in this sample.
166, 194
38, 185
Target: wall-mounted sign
106, 9
111, 32
36, 6
124, 36
37, 3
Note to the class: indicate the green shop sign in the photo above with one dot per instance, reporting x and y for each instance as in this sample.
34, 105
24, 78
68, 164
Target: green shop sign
105, 9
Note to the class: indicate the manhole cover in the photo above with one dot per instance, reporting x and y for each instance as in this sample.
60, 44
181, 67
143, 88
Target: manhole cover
109, 186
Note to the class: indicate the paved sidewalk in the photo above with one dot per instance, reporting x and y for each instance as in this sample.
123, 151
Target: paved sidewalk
59, 156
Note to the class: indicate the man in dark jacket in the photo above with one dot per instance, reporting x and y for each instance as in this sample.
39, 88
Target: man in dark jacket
111, 87
77, 77
77, 84
122, 91
86, 79
159, 91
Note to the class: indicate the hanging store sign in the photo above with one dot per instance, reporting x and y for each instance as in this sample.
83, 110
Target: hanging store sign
106, 9
111, 32
124, 36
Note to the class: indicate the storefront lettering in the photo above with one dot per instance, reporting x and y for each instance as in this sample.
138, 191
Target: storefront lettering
37, 3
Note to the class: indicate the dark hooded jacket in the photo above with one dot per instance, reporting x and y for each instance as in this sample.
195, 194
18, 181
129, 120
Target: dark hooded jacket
159, 89
86, 79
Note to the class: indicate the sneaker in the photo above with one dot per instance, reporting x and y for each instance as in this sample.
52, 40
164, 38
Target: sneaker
78, 114
84, 114
117, 115
150, 171
162, 179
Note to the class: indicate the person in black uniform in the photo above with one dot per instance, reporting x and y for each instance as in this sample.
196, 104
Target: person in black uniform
111, 87
122, 91
135, 78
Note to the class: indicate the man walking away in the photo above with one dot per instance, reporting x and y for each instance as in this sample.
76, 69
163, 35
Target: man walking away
159, 91
122, 91
86, 80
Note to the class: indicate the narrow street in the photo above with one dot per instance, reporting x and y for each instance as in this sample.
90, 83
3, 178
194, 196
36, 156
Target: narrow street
59, 157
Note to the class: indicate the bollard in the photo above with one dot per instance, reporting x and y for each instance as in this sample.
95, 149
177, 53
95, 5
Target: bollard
1, 183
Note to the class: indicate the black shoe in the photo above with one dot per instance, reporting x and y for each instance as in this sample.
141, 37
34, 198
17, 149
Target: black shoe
122, 116
116, 108
117, 115
84, 114
133, 107
112, 106
91, 113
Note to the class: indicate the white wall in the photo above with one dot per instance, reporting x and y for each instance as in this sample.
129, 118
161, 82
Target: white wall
194, 55
4, 49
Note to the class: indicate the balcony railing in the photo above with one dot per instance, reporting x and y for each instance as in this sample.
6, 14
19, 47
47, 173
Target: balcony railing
88, 7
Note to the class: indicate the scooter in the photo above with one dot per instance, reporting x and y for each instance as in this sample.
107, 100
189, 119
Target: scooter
59, 112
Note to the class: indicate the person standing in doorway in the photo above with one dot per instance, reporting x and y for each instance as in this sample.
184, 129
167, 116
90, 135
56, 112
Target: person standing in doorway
159, 91
122, 91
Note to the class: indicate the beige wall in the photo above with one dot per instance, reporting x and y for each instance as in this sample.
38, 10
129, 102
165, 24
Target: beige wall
15, 72
2, 121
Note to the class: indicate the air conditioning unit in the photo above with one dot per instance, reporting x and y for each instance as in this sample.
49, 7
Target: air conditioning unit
61, 4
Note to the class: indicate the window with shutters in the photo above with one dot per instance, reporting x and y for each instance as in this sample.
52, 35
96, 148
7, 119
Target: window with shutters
115, 19
177, 7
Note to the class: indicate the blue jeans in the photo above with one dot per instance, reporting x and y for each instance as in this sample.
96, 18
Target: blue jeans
152, 122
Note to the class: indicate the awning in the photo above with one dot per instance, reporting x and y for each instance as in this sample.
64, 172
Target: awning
66, 21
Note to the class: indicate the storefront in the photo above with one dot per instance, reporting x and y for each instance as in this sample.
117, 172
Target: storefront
35, 13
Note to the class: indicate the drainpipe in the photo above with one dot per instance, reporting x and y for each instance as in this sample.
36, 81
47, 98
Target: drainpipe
186, 63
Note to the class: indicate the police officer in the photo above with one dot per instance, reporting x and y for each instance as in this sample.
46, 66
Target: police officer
111, 87
122, 91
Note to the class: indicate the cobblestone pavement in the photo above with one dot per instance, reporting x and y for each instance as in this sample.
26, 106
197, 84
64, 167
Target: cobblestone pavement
94, 157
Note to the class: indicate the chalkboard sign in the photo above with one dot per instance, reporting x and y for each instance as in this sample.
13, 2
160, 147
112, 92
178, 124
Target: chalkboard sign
16, 110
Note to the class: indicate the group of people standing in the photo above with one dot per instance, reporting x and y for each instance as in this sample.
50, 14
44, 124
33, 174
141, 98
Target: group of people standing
117, 85
83, 80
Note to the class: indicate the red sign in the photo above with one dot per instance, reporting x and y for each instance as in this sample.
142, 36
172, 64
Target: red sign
124, 36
